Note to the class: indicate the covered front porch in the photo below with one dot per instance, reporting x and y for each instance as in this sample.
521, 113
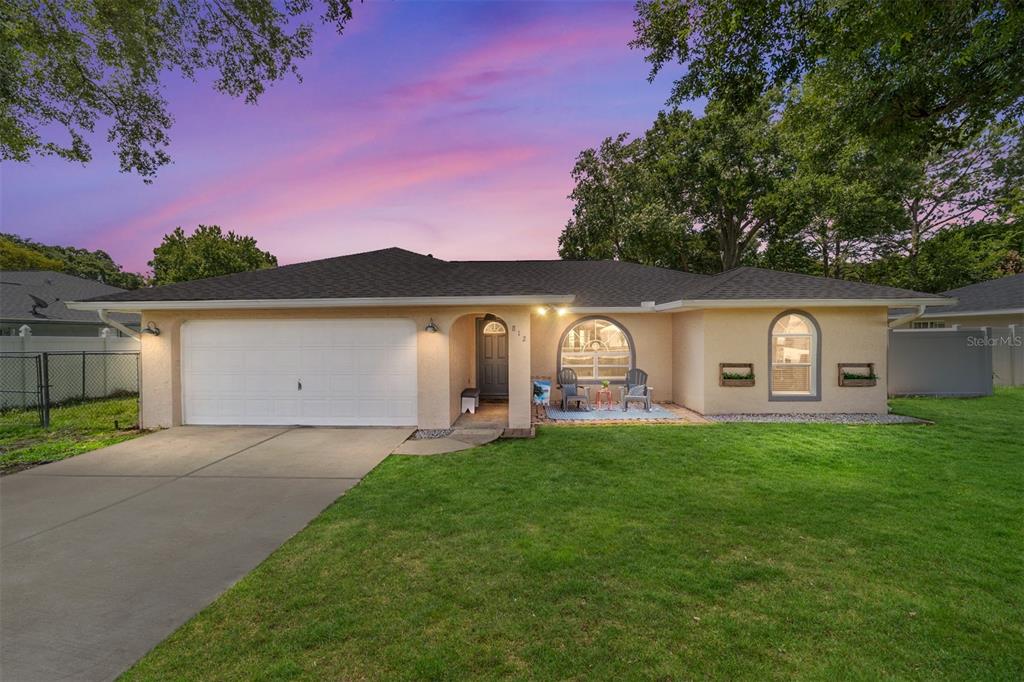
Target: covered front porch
489, 370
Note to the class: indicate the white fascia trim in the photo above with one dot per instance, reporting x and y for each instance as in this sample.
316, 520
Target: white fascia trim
596, 310
139, 306
804, 303
971, 313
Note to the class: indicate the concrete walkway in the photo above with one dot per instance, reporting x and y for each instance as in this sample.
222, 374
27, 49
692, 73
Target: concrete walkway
105, 554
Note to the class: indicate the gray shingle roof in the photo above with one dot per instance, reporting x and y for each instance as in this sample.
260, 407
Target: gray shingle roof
16, 304
1005, 293
758, 283
397, 273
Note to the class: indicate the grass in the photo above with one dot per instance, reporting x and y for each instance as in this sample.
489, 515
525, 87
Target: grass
732, 551
75, 428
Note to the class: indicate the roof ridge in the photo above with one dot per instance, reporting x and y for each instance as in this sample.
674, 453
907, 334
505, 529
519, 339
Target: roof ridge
716, 281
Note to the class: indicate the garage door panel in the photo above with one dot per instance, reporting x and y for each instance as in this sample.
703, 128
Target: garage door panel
259, 408
353, 372
398, 385
343, 386
269, 383
403, 408
372, 408
372, 360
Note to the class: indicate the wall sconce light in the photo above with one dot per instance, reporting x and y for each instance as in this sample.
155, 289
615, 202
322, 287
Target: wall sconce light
432, 327
151, 328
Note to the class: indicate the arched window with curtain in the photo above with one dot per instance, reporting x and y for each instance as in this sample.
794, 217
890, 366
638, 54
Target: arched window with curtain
596, 348
794, 352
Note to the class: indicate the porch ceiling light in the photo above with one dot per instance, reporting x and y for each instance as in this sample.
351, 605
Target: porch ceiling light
544, 309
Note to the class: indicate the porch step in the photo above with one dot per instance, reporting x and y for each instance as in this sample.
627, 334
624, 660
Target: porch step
477, 435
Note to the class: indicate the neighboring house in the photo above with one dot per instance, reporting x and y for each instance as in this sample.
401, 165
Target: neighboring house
37, 298
393, 337
995, 303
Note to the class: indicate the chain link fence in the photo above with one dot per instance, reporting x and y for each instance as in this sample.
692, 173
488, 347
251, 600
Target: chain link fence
69, 388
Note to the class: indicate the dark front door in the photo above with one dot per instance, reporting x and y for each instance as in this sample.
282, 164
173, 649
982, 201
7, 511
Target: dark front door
492, 358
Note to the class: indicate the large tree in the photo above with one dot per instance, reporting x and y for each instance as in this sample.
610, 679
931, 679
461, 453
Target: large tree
958, 186
207, 252
953, 258
67, 66
901, 70
97, 265
16, 256
842, 198
620, 211
721, 169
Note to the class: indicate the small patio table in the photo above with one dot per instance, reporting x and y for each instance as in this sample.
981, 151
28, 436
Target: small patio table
605, 395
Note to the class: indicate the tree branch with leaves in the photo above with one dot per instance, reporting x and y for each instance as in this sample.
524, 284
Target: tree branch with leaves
68, 67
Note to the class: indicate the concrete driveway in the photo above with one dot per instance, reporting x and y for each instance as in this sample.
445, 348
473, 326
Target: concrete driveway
105, 554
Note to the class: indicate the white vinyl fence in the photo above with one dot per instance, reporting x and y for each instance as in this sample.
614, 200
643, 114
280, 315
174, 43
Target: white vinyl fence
75, 369
50, 344
1007, 355
940, 362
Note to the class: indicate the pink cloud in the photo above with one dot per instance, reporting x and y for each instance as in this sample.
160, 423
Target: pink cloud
501, 61
357, 184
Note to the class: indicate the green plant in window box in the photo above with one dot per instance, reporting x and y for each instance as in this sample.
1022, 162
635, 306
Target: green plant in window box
735, 374
857, 375
853, 376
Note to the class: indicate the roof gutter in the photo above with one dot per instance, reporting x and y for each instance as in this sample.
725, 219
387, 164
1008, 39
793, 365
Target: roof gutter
697, 304
412, 301
970, 313
117, 325
909, 317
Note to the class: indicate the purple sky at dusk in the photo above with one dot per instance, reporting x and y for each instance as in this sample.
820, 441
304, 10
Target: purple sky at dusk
441, 127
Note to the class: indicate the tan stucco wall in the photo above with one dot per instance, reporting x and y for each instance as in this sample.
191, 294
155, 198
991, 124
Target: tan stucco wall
462, 359
688, 355
161, 356
973, 321
651, 334
847, 335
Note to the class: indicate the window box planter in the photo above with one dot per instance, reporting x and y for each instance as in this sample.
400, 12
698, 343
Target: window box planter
857, 374
735, 374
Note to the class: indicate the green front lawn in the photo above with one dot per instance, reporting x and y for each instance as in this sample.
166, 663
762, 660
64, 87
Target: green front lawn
652, 552
74, 429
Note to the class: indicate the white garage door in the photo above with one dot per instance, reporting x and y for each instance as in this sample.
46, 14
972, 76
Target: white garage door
313, 372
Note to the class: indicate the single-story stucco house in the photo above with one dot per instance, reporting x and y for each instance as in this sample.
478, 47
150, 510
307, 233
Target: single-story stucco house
392, 337
994, 303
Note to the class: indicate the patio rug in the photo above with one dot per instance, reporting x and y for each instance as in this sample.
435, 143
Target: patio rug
614, 414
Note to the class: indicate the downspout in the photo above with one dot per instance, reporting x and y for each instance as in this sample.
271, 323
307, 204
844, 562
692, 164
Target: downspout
118, 326
909, 317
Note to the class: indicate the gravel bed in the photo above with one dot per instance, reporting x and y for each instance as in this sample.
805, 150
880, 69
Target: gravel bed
799, 418
428, 434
